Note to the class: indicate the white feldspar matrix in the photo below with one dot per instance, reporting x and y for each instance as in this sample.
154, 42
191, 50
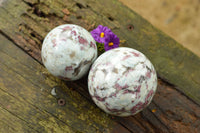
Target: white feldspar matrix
122, 81
68, 51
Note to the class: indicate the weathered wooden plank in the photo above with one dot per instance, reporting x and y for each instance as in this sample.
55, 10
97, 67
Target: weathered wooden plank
173, 62
38, 18
25, 91
170, 111
12, 124
33, 117
28, 22
175, 110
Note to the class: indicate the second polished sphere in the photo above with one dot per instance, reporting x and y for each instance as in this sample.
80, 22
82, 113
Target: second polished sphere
122, 81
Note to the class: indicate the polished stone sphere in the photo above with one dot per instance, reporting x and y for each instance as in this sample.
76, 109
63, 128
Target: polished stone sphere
68, 51
122, 81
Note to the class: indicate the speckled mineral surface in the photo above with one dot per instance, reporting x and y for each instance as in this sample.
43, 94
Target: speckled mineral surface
68, 51
122, 81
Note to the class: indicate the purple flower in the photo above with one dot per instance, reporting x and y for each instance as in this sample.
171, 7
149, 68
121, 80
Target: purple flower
111, 42
100, 33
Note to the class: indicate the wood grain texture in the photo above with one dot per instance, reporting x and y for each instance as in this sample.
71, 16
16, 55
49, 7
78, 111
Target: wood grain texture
25, 94
170, 111
27, 22
179, 19
28, 84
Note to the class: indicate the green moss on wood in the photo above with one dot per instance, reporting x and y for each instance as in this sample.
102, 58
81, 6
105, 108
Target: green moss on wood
27, 86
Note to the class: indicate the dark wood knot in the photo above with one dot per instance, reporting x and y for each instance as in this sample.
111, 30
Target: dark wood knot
130, 27
61, 102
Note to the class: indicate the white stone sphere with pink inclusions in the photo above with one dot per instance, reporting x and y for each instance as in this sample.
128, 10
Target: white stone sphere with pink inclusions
68, 51
122, 81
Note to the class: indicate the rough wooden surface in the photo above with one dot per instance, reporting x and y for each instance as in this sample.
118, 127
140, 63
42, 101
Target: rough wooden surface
27, 104
25, 93
28, 21
26, 85
179, 19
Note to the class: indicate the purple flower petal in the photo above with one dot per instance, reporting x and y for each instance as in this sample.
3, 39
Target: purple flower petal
101, 33
111, 42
